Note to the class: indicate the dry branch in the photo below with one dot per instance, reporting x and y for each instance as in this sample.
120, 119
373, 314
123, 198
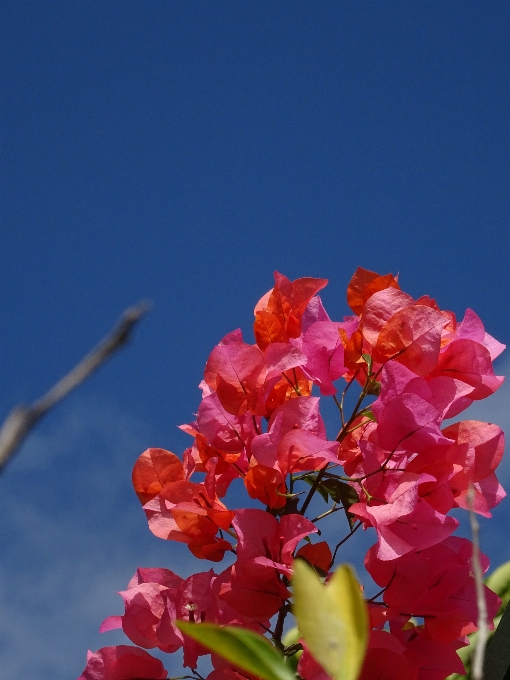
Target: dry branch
22, 419
483, 630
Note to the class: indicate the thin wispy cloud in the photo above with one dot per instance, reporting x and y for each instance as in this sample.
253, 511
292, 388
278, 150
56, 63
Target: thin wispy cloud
73, 534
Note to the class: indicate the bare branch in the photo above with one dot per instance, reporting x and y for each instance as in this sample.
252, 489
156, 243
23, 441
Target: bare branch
22, 419
483, 631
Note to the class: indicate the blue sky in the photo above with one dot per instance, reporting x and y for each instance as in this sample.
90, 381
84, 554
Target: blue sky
182, 151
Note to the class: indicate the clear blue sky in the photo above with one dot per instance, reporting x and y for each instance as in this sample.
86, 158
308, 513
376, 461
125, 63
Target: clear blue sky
182, 151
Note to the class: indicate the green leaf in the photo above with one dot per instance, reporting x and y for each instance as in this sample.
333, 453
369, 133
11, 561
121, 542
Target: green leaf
291, 637
245, 649
499, 582
342, 493
310, 480
338, 491
368, 359
332, 619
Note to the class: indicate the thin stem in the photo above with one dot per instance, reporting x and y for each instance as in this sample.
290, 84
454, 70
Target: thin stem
483, 632
238, 469
341, 435
345, 392
266, 628
292, 649
344, 479
294, 387
400, 351
413, 615
278, 629
229, 531
369, 474
335, 508
316, 483
377, 595
339, 438
297, 478
353, 531
257, 429
340, 408
356, 427
297, 381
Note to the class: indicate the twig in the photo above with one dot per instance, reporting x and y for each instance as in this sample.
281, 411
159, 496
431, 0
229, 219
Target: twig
335, 508
483, 631
315, 484
22, 419
377, 595
278, 630
346, 538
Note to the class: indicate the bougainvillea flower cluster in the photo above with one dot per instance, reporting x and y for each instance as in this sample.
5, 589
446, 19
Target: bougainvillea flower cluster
392, 465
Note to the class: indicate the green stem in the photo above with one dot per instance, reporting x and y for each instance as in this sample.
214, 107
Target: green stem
340, 408
335, 508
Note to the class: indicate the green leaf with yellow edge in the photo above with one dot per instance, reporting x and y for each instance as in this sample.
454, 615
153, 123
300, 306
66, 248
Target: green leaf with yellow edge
499, 582
245, 649
332, 619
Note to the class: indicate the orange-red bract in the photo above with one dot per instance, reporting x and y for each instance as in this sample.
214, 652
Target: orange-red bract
214, 552
236, 372
191, 498
291, 385
278, 316
317, 554
263, 483
206, 452
184, 512
364, 284
414, 334
353, 349
153, 469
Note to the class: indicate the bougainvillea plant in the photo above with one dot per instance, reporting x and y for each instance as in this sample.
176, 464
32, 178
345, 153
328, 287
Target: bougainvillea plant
391, 467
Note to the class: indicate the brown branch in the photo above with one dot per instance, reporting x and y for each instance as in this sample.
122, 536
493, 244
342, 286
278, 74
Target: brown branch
22, 419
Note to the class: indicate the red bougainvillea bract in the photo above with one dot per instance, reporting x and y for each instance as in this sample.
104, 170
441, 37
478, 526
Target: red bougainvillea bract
391, 466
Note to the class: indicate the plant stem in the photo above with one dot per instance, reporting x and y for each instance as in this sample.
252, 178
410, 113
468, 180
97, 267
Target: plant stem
353, 531
335, 508
316, 483
377, 595
483, 631
278, 629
